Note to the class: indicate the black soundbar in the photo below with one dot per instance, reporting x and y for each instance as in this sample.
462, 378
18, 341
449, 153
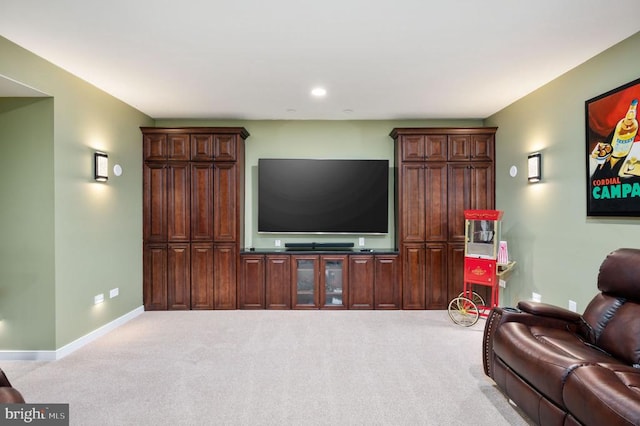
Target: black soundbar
318, 246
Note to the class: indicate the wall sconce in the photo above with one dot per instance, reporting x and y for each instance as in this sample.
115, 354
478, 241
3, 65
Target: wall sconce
534, 167
101, 166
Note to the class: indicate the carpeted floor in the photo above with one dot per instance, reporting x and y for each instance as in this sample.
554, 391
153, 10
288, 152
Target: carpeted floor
274, 368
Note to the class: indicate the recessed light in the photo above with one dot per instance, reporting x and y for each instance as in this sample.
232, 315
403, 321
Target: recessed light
319, 92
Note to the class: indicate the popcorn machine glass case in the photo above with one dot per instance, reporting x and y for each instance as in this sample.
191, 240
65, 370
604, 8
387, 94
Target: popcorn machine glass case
482, 233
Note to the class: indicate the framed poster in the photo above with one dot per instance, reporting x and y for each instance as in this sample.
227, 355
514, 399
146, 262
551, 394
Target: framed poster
613, 152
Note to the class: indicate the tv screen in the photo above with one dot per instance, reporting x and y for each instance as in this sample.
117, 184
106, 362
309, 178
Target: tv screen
323, 196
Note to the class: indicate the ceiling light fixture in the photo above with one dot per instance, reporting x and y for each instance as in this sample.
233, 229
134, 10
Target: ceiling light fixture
319, 92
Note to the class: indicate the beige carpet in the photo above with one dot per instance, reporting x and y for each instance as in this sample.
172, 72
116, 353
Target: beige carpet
274, 368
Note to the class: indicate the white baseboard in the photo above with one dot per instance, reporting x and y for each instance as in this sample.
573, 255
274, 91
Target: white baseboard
73, 346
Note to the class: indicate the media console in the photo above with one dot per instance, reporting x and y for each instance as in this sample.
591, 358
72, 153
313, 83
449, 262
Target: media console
318, 246
320, 279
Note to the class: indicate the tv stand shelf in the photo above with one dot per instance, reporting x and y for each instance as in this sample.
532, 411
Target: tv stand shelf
319, 279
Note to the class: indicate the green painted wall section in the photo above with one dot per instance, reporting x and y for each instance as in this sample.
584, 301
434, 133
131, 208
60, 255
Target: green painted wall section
558, 248
27, 270
96, 227
316, 139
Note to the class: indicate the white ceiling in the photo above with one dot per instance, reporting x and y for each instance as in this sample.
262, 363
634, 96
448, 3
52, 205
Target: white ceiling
378, 59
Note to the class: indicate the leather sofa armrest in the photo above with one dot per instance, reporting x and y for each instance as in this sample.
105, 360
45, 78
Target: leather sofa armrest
546, 310
574, 321
10, 396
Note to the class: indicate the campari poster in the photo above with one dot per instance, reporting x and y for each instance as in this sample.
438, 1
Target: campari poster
613, 152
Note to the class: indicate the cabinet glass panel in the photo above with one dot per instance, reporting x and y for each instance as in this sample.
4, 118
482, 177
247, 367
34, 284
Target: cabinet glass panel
333, 283
305, 282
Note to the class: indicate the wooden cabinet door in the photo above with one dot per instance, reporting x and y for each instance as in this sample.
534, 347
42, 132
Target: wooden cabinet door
305, 282
278, 282
436, 276
334, 281
412, 147
435, 147
178, 196
412, 200
471, 186
154, 147
225, 202
482, 186
178, 276
455, 269
225, 147
155, 277
202, 147
459, 149
482, 147
178, 147
459, 199
202, 275
387, 286
224, 276
435, 209
202, 205
154, 202
361, 281
251, 285
413, 284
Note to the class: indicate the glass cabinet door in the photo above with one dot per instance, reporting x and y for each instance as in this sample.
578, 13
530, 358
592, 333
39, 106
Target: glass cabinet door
334, 282
305, 282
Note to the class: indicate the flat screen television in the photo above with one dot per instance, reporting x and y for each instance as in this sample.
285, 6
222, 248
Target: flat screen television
309, 196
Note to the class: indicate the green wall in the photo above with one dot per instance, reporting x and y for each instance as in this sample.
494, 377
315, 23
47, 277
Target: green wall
316, 139
87, 235
27, 310
557, 247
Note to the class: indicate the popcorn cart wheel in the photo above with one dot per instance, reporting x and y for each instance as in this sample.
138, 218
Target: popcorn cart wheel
463, 311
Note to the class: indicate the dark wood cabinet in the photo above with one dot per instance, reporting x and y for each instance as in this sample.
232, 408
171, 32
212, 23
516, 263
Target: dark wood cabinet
225, 220
441, 172
201, 275
320, 281
305, 283
387, 288
278, 282
193, 213
154, 203
202, 196
436, 291
251, 289
225, 258
178, 200
361, 282
154, 277
413, 284
470, 186
178, 276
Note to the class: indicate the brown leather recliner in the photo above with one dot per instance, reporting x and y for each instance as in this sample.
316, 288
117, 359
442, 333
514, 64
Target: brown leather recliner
562, 368
9, 394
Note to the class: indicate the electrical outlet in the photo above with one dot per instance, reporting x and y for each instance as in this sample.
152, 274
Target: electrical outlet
114, 292
98, 298
278, 243
573, 306
536, 297
361, 241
